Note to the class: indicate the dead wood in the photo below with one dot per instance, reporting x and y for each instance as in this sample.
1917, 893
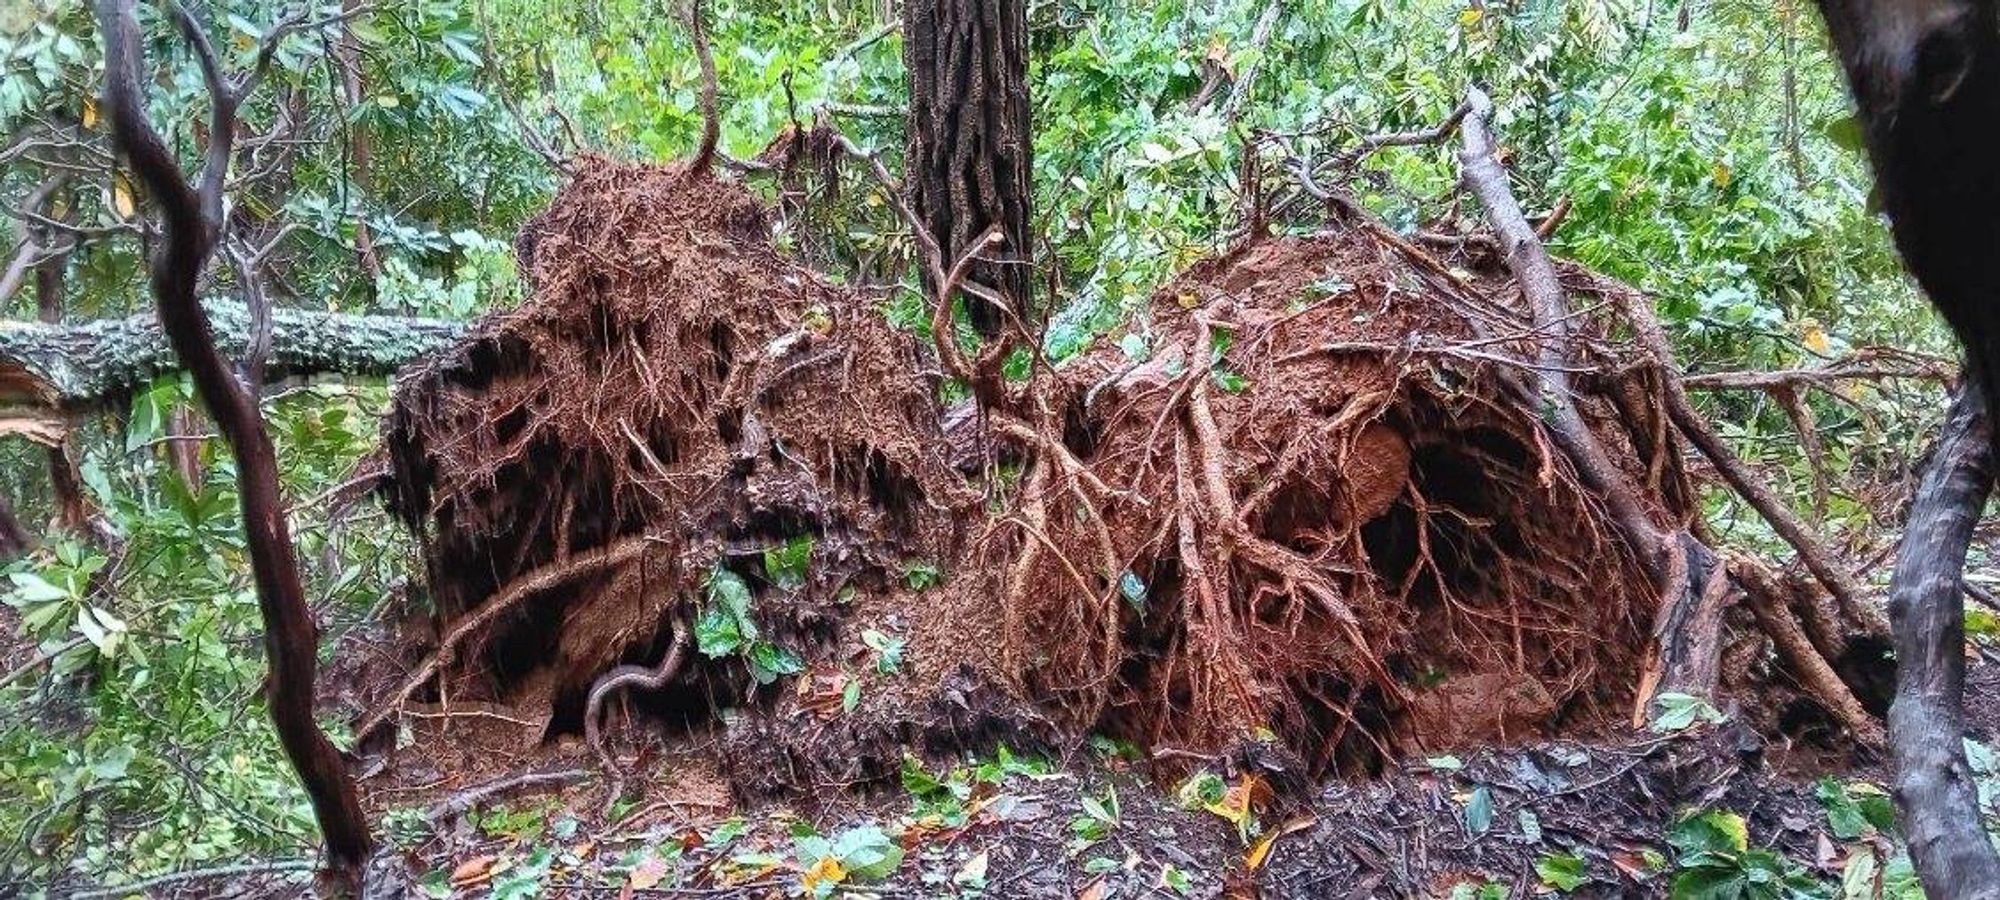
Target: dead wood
1812, 553
1765, 594
59, 370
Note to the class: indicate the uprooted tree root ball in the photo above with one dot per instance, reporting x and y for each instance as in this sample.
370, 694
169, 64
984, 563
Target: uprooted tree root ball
1296, 518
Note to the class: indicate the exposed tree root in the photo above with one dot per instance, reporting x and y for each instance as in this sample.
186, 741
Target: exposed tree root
1352, 502
623, 678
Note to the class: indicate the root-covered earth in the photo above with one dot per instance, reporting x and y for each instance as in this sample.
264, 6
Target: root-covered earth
1294, 523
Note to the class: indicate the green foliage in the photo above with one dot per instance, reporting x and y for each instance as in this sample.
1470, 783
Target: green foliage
888, 650
864, 853
787, 564
1563, 871
919, 575
1714, 859
1676, 711
724, 627
1855, 809
1095, 821
1485, 890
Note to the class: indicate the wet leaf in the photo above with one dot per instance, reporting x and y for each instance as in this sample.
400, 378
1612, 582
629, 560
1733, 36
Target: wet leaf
1562, 871
1261, 850
973, 873
648, 873
1479, 810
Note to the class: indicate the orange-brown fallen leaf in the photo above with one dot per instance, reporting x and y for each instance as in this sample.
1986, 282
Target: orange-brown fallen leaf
473, 871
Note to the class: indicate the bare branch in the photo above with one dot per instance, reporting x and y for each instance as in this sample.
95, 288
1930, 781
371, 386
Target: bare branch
711, 126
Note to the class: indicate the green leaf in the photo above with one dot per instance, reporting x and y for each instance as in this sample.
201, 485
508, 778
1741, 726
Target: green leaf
888, 650
716, 632
919, 575
867, 853
730, 591
1843, 815
1716, 832
112, 765
850, 694
1677, 711
1201, 789
769, 661
1844, 131
1562, 871
32, 588
436, 884
788, 564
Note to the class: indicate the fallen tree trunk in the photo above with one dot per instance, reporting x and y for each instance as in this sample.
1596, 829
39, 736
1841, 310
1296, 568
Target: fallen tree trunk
57, 370
1686, 574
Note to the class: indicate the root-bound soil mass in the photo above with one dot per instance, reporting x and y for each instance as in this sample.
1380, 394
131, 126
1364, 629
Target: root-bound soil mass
1296, 521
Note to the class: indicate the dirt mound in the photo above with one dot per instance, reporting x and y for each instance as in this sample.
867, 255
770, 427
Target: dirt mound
1304, 512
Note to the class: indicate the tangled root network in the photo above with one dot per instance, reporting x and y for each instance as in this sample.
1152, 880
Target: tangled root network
1315, 522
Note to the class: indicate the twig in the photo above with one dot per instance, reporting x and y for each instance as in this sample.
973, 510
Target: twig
466, 800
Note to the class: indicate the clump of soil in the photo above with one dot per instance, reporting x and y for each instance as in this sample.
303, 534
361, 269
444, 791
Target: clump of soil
1314, 525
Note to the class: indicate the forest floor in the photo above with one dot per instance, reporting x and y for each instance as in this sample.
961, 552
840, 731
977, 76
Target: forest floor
1603, 818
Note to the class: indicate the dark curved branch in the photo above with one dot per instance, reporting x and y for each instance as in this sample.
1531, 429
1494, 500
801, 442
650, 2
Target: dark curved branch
192, 220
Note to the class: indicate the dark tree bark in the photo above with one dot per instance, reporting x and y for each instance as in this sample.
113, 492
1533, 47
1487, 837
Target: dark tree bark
193, 218
14, 540
78, 368
1934, 786
1926, 79
969, 153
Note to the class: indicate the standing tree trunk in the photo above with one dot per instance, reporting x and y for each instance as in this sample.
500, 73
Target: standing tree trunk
1926, 79
968, 166
194, 222
1934, 785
